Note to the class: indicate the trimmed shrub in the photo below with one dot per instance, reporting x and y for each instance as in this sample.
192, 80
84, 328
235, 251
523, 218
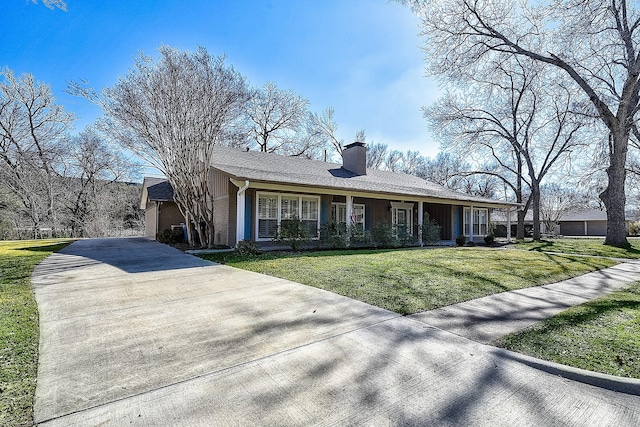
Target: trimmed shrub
383, 236
430, 230
461, 240
489, 239
247, 247
333, 235
169, 236
293, 232
359, 238
500, 230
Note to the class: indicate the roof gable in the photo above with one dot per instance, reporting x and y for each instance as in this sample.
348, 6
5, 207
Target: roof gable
155, 189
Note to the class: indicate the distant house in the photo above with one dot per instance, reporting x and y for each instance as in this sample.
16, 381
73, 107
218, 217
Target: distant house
160, 211
585, 222
254, 192
582, 222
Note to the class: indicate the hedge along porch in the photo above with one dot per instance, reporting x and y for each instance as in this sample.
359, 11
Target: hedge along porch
254, 192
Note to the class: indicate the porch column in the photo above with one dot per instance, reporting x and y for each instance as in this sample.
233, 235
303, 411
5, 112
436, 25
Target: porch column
349, 219
586, 229
420, 216
240, 207
471, 223
509, 225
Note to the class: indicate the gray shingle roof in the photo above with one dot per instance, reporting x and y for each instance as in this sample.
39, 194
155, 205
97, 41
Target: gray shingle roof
158, 189
274, 168
585, 215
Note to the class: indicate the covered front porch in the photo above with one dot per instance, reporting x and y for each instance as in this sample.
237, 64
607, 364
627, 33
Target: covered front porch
261, 210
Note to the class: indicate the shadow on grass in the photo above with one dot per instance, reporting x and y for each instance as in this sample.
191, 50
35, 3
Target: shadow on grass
568, 258
54, 247
544, 245
581, 315
226, 257
585, 248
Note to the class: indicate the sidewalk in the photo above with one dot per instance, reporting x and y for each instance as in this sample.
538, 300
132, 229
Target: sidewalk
486, 319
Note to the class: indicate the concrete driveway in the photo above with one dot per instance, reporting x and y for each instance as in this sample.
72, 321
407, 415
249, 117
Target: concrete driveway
136, 333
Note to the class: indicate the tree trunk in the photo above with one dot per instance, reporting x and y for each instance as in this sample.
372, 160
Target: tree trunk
188, 221
535, 202
613, 196
520, 226
211, 235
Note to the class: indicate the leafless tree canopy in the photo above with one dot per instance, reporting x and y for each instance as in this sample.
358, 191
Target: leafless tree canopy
278, 121
515, 121
377, 155
556, 201
52, 184
32, 131
93, 171
594, 42
172, 111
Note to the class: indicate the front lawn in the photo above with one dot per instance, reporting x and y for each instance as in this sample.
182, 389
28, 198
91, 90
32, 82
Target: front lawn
602, 335
583, 246
19, 327
409, 281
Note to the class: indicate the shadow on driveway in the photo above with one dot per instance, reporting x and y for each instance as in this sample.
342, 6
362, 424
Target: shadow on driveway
131, 255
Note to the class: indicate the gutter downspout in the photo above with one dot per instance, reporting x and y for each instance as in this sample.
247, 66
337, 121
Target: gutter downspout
240, 207
420, 221
157, 225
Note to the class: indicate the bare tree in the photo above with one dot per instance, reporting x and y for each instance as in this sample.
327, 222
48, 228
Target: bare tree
394, 161
92, 168
278, 121
32, 129
377, 155
594, 42
325, 127
556, 202
519, 117
172, 112
443, 169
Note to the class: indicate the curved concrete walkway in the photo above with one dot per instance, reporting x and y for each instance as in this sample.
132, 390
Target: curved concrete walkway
136, 333
489, 318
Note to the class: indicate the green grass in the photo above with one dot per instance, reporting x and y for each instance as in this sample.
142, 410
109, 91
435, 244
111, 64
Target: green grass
410, 281
602, 335
19, 328
583, 246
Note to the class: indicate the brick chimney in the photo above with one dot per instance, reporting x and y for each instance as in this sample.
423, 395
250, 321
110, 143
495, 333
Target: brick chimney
354, 158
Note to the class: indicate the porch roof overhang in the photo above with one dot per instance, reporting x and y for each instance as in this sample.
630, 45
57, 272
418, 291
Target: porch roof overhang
381, 195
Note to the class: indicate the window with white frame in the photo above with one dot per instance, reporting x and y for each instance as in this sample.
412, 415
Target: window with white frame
267, 216
274, 208
309, 215
402, 218
339, 215
480, 221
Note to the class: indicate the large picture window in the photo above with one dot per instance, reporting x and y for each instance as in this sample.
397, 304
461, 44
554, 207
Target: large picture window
480, 221
274, 208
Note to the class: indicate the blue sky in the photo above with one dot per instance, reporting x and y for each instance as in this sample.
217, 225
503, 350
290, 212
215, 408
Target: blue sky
361, 57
